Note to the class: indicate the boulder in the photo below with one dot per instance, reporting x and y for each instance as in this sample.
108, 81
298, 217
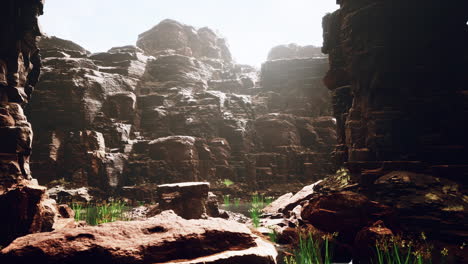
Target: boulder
26, 210
279, 204
286, 203
188, 199
165, 238
345, 212
423, 201
367, 238
70, 195
212, 205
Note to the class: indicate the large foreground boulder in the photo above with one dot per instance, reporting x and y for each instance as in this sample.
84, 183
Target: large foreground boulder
165, 238
25, 209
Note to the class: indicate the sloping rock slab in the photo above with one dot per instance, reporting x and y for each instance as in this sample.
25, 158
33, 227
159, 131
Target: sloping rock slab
166, 238
261, 254
285, 206
279, 204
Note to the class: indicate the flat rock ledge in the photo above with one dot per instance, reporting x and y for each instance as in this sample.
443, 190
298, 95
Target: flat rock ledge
165, 238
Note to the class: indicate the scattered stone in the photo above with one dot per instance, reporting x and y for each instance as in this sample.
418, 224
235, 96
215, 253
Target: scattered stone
344, 212
64, 195
187, 199
277, 205
212, 206
65, 211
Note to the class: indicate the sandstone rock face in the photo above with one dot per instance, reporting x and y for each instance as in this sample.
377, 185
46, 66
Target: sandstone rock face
425, 201
407, 106
24, 204
294, 51
288, 202
399, 110
165, 238
177, 108
401, 203
93, 103
188, 199
344, 212
172, 36
296, 86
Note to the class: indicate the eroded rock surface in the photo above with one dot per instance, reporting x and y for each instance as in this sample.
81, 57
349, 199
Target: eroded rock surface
177, 108
397, 107
294, 51
188, 199
24, 204
165, 238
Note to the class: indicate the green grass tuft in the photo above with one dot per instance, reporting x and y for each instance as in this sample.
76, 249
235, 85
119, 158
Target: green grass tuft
311, 251
237, 202
227, 182
227, 199
273, 235
99, 214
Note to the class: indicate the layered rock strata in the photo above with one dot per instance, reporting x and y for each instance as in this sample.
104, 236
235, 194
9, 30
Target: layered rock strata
399, 113
24, 204
177, 108
408, 96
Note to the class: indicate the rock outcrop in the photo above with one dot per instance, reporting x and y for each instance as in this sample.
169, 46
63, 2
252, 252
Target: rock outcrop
398, 113
402, 203
171, 36
165, 238
294, 51
177, 108
408, 98
93, 103
24, 204
188, 199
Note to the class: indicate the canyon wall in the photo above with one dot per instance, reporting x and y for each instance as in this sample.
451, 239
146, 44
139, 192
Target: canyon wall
399, 86
24, 204
174, 108
398, 76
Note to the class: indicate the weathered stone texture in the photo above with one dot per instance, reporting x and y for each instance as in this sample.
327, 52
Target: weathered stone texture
23, 203
165, 238
178, 108
408, 95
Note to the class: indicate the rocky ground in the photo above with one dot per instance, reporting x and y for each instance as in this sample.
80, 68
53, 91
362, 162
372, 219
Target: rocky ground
400, 204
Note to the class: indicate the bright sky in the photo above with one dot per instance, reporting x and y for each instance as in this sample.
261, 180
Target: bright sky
252, 27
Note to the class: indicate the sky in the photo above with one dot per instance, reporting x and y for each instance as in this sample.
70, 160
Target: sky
251, 27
